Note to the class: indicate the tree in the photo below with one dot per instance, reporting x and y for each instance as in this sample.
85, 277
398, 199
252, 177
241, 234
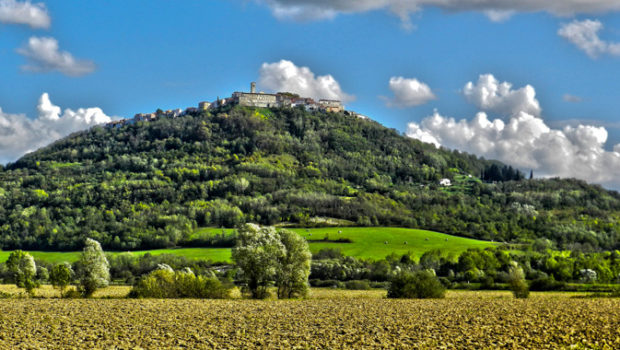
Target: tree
257, 253
24, 270
516, 281
94, 269
420, 284
294, 266
61, 276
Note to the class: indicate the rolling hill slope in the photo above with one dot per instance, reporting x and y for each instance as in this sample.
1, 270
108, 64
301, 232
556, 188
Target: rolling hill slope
151, 184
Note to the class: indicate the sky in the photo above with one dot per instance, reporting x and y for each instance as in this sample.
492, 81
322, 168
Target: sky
532, 83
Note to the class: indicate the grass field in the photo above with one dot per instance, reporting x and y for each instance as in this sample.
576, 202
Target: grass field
215, 254
327, 320
367, 243
378, 242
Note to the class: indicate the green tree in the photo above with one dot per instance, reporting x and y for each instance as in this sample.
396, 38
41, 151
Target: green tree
420, 284
61, 276
294, 266
256, 253
24, 270
94, 269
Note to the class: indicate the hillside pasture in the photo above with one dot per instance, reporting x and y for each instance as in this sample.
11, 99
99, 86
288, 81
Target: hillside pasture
366, 243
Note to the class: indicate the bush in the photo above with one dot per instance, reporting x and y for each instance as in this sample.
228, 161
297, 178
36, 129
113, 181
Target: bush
357, 285
164, 283
546, 283
327, 253
519, 289
326, 283
516, 281
421, 284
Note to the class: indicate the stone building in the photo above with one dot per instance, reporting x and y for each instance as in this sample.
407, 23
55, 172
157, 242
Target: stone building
334, 106
254, 99
203, 106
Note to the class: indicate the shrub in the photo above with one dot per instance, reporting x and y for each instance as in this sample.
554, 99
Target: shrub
163, 283
420, 284
326, 283
357, 285
516, 281
546, 283
327, 253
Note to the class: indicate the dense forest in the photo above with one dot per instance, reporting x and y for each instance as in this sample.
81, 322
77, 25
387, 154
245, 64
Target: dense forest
150, 184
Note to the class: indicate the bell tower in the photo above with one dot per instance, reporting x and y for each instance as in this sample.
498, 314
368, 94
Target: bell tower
252, 87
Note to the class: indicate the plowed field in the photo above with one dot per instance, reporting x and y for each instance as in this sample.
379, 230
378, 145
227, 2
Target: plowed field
329, 319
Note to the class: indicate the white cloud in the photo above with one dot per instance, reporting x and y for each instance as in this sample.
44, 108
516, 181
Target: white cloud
285, 76
408, 92
16, 12
44, 55
496, 10
20, 135
525, 140
490, 95
572, 98
584, 35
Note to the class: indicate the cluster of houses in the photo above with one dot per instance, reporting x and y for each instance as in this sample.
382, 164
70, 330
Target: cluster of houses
249, 99
261, 99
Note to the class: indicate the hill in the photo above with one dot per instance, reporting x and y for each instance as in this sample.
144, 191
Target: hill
151, 184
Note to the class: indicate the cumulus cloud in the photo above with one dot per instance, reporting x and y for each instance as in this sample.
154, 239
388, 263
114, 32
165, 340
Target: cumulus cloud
408, 93
490, 95
20, 135
285, 76
44, 55
526, 141
584, 35
27, 13
496, 10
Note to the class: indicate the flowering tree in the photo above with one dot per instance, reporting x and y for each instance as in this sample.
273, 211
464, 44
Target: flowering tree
94, 269
24, 270
293, 266
256, 253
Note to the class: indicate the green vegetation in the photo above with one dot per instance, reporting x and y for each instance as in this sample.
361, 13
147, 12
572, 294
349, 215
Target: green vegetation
213, 254
517, 283
93, 270
367, 243
151, 184
23, 270
167, 283
419, 284
266, 256
379, 242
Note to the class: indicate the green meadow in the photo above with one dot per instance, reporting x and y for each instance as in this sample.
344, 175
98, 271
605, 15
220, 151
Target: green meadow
366, 243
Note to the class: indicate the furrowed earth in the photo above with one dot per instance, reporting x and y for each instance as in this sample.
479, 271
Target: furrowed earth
331, 319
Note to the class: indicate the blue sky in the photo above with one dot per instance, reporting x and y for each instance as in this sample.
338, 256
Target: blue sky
137, 56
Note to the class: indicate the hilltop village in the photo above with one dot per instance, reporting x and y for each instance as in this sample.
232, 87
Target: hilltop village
248, 99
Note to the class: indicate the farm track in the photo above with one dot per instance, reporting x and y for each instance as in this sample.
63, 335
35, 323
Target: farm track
329, 320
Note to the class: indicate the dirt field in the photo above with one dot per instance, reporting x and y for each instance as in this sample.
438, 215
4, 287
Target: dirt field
329, 319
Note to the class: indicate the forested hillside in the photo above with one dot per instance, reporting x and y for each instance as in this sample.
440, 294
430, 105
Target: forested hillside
151, 184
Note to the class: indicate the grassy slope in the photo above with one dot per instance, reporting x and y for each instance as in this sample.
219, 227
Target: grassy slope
368, 243
214, 254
